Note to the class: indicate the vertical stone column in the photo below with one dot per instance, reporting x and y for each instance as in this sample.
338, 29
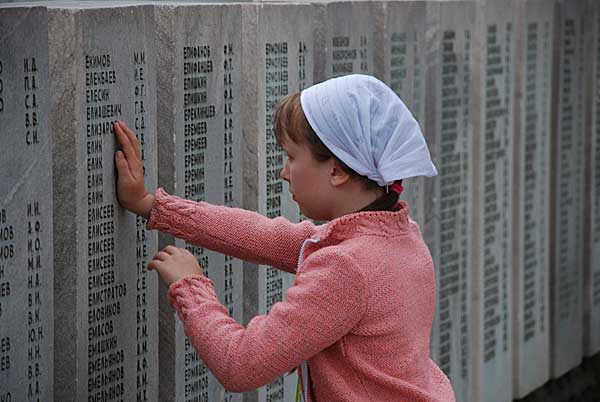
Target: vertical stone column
346, 38
26, 247
277, 60
404, 71
566, 225
592, 266
102, 68
493, 93
200, 159
531, 194
450, 30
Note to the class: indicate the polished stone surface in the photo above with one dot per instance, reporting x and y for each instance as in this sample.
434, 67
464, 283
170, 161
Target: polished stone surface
26, 246
493, 115
534, 22
106, 301
567, 214
450, 29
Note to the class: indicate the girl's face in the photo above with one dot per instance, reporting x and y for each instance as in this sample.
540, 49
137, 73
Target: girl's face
309, 180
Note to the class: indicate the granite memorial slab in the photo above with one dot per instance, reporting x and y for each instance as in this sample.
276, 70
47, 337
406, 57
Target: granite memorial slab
493, 89
592, 292
346, 38
531, 195
404, 50
277, 60
567, 174
199, 158
450, 30
26, 246
102, 67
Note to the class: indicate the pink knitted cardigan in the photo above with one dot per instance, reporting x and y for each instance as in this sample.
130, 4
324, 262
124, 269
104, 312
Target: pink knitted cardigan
360, 310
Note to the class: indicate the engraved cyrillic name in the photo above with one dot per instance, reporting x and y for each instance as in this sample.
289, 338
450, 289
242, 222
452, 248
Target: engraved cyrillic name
496, 179
344, 56
142, 241
229, 156
35, 302
535, 144
454, 189
31, 101
570, 167
106, 356
198, 112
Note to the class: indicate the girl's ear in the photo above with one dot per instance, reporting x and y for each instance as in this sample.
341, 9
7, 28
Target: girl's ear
338, 175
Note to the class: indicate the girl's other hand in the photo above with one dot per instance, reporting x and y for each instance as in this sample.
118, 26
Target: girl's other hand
174, 263
131, 190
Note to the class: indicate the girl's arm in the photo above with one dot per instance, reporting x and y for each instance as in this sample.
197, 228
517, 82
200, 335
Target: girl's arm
327, 300
236, 232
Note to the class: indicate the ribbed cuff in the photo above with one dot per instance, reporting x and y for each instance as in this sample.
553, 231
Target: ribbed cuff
157, 205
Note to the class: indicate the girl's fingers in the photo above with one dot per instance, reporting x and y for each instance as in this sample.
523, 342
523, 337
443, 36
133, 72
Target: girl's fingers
155, 265
122, 166
160, 256
126, 144
132, 138
170, 249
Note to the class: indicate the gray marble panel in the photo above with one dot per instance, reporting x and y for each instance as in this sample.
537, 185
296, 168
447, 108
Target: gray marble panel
346, 38
493, 94
450, 29
592, 279
531, 195
277, 60
26, 247
404, 49
199, 155
106, 347
567, 214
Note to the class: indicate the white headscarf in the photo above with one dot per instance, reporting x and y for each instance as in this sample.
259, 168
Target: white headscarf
368, 127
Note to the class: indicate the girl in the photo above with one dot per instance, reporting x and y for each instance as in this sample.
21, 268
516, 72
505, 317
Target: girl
358, 317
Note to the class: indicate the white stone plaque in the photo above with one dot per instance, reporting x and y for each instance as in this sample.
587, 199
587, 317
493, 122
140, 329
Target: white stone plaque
26, 248
450, 29
102, 67
493, 89
199, 81
531, 195
567, 216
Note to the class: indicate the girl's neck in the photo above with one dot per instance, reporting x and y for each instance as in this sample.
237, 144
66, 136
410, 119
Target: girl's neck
355, 198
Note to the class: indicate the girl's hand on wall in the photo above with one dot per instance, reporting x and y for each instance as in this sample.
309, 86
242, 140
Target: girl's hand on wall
131, 190
173, 263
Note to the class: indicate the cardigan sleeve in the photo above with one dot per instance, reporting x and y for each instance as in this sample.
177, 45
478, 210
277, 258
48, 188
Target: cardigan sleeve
242, 234
327, 300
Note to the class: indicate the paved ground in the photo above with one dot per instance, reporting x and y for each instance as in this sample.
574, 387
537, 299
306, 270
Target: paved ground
579, 385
